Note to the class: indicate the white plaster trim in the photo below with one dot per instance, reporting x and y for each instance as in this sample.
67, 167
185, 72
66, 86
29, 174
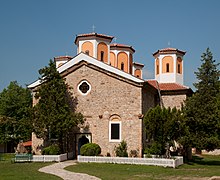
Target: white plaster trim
84, 57
115, 122
84, 94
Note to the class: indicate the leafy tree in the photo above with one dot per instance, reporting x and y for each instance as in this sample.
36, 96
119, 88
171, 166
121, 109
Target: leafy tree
202, 109
15, 123
54, 115
162, 127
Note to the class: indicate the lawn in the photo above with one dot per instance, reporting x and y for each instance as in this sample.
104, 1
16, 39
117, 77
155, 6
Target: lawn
11, 171
199, 169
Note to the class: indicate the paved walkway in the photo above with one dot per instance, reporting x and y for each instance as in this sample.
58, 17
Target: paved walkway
58, 170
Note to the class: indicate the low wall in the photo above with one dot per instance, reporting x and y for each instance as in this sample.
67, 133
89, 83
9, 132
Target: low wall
178, 160
50, 158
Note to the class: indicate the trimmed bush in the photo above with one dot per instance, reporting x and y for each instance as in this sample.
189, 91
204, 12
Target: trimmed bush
51, 150
121, 149
155, 148
90, 149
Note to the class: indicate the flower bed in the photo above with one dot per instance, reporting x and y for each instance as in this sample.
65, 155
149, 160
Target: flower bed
177, 161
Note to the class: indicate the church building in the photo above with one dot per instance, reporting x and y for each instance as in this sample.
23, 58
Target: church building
112, 94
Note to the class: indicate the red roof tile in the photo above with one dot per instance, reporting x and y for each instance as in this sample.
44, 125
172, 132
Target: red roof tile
93, 34
169, 50
27, 143
139, 64
59, 58
167, 86
122, 46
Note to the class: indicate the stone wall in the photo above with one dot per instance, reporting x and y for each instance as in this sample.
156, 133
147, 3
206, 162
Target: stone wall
173, 100
37, 144
109, 96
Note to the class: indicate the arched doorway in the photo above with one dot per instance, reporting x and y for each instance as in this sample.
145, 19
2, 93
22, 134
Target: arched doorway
82, 140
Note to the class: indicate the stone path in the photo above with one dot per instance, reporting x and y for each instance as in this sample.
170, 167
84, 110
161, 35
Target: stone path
57, 169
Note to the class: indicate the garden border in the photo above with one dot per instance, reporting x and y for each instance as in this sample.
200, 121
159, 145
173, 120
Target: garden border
173, 162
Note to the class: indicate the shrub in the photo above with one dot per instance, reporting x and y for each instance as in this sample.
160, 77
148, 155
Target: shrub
121, 149
155, 148
134, 153
51, 150
90, 149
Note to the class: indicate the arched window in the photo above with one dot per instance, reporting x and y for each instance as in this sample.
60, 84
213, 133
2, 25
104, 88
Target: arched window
167, 67
115, 129
87, 52
178, 68
102, 56
157, 69
122, 66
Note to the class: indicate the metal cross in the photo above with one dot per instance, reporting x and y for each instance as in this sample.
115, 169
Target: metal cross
93, 28
168, 43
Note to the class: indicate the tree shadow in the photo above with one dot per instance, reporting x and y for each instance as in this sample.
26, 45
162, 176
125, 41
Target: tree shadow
204, 161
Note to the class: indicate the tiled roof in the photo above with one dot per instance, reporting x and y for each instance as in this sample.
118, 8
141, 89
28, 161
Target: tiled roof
167, 86
139, 64
90, 60
59, 58
94, 34
28, 143
122, 46
169, 50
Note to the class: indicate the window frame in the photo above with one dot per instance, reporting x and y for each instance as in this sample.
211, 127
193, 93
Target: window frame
78, 87
110, 128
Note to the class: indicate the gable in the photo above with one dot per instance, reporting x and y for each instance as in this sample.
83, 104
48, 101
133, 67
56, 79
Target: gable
80, 58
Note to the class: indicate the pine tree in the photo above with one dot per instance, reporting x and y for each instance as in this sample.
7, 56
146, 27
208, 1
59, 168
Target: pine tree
202, 110
54, 115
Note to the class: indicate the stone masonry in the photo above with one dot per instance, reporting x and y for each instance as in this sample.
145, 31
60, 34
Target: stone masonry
109, 97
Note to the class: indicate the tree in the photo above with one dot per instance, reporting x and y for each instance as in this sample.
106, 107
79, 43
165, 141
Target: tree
202, 109
15, 122
54, 114
163, 126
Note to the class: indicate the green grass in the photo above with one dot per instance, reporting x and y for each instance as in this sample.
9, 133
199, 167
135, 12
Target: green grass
12, 171
206, 167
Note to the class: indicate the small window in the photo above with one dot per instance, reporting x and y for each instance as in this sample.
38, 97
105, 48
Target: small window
87, 52
157, 69
102, 56
115, 131
178, 68
167, 67
84, 87
122, 66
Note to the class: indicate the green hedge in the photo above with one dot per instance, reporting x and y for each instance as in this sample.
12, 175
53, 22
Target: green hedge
51, 150
90, 149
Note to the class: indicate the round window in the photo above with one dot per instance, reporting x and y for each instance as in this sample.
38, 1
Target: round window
84, 87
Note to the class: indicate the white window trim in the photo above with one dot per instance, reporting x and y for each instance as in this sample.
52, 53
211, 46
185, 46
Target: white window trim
84, 94
114, 122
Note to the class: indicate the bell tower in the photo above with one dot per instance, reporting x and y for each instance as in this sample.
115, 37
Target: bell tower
169, 65
95, 45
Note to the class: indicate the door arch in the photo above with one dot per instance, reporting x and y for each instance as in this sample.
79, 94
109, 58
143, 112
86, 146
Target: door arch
82, 139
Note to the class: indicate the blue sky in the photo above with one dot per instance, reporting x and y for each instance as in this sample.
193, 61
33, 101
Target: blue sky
32, 32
